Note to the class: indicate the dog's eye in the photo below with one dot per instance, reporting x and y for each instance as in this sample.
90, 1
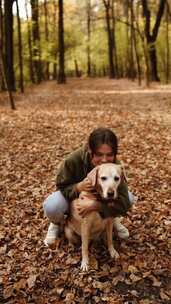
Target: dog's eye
103, 178
116, 178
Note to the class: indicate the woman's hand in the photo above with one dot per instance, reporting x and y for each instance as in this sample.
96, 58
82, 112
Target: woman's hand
84, 185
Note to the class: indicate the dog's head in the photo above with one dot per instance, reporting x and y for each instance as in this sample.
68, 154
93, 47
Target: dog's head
106, 179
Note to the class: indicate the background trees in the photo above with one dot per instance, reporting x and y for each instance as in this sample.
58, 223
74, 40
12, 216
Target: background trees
37, 64
85, 37
9, 44
151, 36
4, 77
61, 73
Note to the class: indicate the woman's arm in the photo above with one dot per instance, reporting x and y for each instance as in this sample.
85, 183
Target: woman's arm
71, 172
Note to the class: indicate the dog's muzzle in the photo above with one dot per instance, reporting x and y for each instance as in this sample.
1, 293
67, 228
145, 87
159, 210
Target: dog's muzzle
110, 194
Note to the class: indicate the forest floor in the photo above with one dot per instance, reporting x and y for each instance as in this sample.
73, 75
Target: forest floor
51, 121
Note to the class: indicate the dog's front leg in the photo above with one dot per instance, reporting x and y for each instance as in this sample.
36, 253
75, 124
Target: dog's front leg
85, 227
109, 231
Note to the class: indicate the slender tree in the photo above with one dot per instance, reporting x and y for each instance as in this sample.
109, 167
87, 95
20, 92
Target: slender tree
2, 87
77, 71
132, 40
31, 68
127, 44
8, 31
130, 57
151, 37
3, 75
61, 72
135, 42
167, 45
107, 5
55, 50
36, 41
88, 37
20, 47
46, 35
114, 39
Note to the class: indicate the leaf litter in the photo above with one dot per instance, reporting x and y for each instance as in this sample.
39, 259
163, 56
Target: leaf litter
50, 122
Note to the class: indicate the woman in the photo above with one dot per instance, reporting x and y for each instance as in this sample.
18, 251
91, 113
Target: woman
71, 179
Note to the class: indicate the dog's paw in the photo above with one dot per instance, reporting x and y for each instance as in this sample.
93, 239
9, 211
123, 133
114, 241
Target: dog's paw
84, 265
114, 254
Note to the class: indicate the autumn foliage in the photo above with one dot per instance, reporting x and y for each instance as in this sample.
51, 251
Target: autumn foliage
50, 121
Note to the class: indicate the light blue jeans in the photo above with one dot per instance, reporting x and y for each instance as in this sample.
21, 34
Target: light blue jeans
55, 206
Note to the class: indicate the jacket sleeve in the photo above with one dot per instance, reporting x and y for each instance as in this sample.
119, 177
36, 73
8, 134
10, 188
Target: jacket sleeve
66, 180
120, 205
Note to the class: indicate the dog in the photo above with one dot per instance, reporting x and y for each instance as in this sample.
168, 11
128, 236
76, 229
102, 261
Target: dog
105, 180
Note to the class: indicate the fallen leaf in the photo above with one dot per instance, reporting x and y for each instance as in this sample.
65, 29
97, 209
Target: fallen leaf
134, 278
31, 280
156, 283
132, 269
163, 295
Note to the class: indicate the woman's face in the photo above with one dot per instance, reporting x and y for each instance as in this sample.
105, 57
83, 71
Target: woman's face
104, 154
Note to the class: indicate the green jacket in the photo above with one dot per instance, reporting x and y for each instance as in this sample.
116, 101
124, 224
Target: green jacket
74, 169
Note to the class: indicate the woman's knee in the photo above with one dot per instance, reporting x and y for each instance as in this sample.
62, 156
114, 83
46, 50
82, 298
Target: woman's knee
132, 197
55, 205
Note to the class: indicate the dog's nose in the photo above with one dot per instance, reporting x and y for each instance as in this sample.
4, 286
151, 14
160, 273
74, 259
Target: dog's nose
110, 193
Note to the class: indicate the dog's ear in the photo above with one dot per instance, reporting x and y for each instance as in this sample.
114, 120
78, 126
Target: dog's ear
92, 176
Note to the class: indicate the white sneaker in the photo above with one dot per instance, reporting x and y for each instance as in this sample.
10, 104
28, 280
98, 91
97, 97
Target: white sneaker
52, 234
121, 230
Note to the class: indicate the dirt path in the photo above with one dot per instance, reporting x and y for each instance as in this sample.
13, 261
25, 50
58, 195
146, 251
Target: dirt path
51, 121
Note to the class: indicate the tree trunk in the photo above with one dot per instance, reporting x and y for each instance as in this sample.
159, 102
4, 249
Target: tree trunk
46, 36
36, 41
152, 37
55, 71
135, 44
125, 64
114, 40
153, 60
2, 85
167, 45
2, 67
21, 81
55, 53
132, 64
77, 72
31, 69
9, 65
61, 72
107, 6
88, 38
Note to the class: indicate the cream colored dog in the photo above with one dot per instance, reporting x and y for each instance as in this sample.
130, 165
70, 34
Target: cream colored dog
105, 179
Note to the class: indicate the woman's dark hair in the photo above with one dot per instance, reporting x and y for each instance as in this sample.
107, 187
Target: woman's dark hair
102, 136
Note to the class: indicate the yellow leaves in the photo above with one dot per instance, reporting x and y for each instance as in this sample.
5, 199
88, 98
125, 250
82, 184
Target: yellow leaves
31, 280
134, 278
145, 301
132, 269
